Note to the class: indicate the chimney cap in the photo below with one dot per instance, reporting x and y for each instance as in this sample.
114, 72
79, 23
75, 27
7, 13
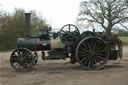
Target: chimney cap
27, 13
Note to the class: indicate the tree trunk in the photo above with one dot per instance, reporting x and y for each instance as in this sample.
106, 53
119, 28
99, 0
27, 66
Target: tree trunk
109, 28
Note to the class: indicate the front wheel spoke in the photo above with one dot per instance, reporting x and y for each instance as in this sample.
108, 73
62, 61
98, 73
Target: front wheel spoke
17, 66
14, 59
14, 55
27, 60
21, 54
26, 56
26, 65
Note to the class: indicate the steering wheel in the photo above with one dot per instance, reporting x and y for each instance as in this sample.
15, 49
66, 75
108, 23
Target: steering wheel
69, 32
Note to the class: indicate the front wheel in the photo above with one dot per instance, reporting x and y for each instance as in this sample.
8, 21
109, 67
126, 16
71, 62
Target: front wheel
21, 59
35, 55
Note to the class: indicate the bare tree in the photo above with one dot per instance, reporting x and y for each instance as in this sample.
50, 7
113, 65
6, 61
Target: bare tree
107, 13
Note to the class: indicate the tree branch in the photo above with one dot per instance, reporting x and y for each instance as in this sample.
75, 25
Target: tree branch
122, 19
123, 26
107, 13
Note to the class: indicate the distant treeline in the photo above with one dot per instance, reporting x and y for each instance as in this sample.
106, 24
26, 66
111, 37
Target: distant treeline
123, 33
12, 26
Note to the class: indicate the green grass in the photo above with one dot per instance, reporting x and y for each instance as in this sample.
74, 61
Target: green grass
124, 39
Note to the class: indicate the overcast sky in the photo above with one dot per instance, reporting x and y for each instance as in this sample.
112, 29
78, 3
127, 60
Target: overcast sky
57, 12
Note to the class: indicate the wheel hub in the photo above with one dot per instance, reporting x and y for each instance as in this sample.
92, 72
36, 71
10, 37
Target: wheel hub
92, 53
21, 60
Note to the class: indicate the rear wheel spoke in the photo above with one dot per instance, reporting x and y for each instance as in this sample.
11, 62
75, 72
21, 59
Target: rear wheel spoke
83, 55
91, 44
97, 45
84, 49
92, 61
100, 51
94, 45
81, 52
100, 57
95, 61
83, 60
100, 48
89, 64
100, 54
85, 46
88, 46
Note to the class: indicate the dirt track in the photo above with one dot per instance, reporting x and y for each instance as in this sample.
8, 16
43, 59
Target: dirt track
63, 73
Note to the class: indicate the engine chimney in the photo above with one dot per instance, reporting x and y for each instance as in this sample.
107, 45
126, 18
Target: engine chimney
27, 24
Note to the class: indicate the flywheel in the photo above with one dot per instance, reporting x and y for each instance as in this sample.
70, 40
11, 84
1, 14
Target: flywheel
69, 33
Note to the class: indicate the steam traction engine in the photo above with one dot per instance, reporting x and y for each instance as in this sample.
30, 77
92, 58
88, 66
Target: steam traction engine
92, 50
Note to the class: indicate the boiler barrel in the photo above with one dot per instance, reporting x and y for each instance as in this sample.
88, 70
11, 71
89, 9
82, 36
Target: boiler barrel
34, 44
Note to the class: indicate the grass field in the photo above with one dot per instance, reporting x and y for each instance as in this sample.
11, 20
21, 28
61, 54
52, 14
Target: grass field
124, 39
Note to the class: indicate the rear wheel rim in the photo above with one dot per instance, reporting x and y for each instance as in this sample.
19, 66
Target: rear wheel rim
92, 53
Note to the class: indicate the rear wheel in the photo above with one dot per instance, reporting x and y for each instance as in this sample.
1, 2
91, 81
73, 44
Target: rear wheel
92, 53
